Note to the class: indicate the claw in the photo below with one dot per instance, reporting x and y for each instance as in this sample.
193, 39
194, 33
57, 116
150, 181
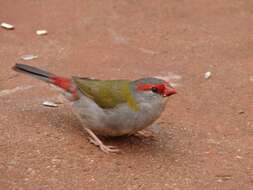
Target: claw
108, 149
93, 141
96, 141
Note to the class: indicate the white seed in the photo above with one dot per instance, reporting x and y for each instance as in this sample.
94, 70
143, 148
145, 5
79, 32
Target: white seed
7, 26
49, 104
207, 75
29, 57
238, 157
41, 32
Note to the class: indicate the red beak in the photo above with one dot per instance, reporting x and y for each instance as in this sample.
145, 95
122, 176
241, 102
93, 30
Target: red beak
169, 91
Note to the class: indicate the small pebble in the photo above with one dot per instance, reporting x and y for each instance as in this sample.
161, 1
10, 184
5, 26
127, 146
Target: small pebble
41, 32
207, 75
29, 57
238, 157
241, 112
7, 26
93, 179
56, 160
49, 104
223, 178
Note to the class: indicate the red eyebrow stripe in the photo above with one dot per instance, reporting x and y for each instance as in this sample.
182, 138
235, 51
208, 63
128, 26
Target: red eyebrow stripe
143, 87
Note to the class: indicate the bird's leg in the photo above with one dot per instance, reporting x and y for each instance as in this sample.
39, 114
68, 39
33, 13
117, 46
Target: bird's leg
96, 141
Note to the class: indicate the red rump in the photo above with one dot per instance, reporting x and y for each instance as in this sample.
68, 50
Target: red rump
64, 83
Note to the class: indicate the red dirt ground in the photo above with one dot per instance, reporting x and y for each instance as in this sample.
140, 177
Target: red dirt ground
206, 132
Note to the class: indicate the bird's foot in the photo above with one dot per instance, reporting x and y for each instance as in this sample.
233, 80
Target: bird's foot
103, 147
96, 141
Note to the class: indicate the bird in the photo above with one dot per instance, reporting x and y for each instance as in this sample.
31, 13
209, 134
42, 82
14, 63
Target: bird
109, 108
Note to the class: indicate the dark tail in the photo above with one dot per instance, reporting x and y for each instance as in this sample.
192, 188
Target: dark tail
61, 82
35, 72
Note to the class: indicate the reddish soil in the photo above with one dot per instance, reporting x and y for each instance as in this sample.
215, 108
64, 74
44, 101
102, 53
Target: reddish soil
205, 139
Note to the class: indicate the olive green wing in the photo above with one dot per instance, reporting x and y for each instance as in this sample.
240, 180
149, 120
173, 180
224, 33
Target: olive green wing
107, 93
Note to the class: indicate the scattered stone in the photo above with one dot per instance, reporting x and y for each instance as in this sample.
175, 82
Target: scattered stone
223, 177
49, 104
238, 157
208, 75
41, 32
241, 112
29, 57
93, 179
55, 160
7, 26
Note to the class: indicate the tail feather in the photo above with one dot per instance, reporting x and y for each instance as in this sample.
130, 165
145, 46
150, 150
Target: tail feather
35, 72
61, 82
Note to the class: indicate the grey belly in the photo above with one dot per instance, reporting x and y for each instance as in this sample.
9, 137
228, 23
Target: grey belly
118, 121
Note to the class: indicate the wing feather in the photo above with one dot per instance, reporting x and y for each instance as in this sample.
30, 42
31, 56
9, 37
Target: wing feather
107, 93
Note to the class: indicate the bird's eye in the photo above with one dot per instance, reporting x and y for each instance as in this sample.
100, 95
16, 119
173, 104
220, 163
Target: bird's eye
154, 89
